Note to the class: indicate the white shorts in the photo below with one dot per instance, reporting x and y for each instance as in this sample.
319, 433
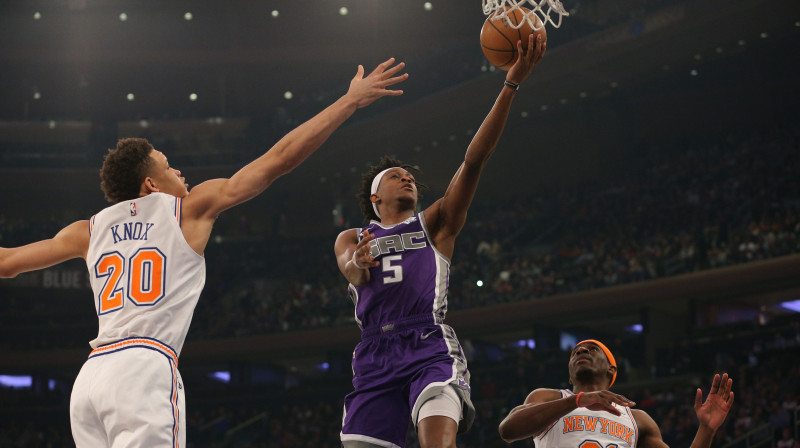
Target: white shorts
128, 398
446, 403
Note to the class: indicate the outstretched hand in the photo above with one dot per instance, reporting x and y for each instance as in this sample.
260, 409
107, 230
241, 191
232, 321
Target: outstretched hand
718, 403
528, 59
365, 90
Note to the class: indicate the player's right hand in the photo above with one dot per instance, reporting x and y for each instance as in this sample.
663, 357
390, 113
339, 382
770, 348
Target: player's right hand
363, 254
528, 59
602, 400
365, 90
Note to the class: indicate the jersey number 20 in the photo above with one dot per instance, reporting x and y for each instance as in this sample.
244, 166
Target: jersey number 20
144, 284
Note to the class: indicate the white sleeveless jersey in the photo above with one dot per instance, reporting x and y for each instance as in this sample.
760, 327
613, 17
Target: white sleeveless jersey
145, 277
583, 428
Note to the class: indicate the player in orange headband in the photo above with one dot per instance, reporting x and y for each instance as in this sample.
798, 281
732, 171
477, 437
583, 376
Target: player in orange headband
611, 361
590, 416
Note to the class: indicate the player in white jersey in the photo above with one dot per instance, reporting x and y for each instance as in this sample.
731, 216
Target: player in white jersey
590, 416
145, 260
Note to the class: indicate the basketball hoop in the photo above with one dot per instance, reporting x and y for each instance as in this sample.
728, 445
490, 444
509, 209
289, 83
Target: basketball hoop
543, 8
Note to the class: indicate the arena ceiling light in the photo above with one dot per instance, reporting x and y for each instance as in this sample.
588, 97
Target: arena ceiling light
16, 380
792, 305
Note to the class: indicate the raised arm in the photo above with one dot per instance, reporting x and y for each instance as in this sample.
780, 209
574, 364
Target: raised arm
446, 217
71, 242
212, 197
545, 406
710, 415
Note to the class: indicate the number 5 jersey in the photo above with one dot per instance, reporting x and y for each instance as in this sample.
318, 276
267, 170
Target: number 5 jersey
412, 278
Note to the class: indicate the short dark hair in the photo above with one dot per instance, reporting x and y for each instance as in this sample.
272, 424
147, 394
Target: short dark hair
366, 184
125, 168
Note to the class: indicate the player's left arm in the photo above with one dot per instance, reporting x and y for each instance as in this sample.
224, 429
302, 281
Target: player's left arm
71, 242
446, 217
212, 197
649, 433
712, 413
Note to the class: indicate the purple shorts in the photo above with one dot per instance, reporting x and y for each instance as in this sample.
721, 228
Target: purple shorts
396, 368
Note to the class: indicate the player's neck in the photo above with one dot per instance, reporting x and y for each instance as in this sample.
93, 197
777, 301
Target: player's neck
589, 387
392, 217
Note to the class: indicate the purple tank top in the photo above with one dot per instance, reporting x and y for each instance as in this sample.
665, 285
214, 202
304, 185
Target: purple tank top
411, 280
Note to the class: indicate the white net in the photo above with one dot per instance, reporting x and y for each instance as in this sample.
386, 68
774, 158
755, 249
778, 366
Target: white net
549, 11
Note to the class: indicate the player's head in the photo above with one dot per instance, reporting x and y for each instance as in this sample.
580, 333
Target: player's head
591, 361
389, 180
134, 168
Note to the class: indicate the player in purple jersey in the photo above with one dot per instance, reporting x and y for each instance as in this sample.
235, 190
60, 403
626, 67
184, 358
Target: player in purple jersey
409, 362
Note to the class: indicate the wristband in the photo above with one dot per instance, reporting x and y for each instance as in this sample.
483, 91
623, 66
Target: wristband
513, 85
355, 263
578, 399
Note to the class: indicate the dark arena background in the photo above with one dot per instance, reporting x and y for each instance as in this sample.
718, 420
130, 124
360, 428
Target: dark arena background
646, 192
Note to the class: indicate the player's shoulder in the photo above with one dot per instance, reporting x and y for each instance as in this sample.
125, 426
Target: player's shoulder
542, 395
348, 236
642, 418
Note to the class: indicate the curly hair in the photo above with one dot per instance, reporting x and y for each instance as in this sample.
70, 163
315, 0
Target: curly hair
366, 184
125, 168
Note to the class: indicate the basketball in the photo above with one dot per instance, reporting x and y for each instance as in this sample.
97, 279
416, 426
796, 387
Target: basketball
499, 39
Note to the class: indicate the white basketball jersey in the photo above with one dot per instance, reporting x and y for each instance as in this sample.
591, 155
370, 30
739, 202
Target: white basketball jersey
583, 428
145, 277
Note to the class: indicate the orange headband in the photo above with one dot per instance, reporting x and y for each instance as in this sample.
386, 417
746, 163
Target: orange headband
605, 349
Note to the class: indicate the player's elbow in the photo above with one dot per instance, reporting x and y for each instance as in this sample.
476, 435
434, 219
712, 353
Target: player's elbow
506, 433
5, 272
512, 428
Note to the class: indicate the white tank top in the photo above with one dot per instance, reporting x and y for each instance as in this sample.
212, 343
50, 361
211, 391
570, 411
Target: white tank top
145, 277
583, 428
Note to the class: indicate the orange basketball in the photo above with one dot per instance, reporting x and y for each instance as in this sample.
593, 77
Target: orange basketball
499, 39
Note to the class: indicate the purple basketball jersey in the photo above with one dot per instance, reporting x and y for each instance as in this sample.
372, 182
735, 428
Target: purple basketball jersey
411, 280
407, 354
